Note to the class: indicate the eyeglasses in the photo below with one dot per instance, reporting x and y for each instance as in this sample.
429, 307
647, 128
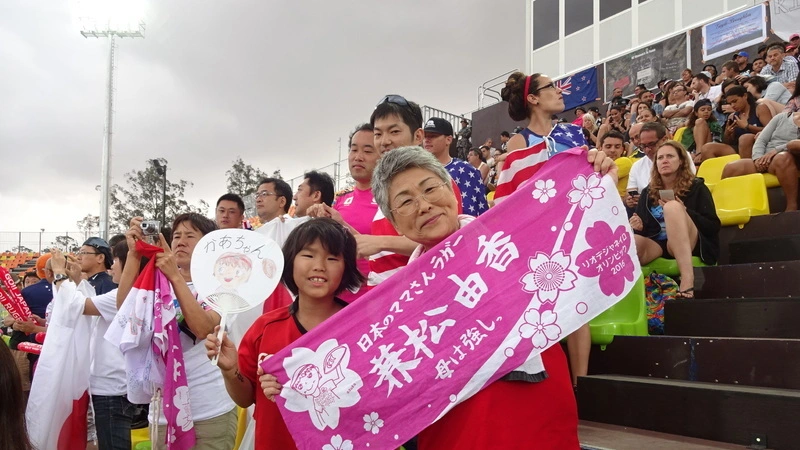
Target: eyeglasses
265, 194
546, 86
430, 194
649, 145
395, 99
81, 253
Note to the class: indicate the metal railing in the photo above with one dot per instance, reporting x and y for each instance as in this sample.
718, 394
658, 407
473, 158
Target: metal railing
454, 119
38, 241
488, 88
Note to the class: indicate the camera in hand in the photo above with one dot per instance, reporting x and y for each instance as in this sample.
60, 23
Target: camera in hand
151, 227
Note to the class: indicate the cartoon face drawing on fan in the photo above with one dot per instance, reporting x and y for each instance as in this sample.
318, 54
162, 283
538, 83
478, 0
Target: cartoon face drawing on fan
232, 270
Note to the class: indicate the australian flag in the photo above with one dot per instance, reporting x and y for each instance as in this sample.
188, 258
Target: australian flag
579, 89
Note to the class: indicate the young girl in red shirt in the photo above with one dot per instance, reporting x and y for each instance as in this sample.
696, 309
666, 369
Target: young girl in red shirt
320, 263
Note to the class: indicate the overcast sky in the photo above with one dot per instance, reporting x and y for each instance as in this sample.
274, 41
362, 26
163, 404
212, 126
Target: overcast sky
275, 82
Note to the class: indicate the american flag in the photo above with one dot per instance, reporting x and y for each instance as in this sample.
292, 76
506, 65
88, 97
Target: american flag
519, 166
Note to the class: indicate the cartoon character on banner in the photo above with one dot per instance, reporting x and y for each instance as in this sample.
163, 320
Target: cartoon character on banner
322, 386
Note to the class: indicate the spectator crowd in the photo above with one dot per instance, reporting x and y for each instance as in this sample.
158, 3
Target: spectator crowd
652, 144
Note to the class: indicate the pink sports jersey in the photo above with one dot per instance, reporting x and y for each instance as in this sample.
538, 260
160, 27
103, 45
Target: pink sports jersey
358, 208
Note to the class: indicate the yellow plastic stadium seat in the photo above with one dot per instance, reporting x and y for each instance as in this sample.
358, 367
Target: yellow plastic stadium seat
737, 199
771, 180
140, 438
241, 427
711, 169
678, 134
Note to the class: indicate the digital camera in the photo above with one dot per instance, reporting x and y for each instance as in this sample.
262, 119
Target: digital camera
151, 227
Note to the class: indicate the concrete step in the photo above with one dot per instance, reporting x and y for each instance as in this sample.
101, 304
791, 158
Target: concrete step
733, 317
739, 415
602, 436
768, 363
757, 280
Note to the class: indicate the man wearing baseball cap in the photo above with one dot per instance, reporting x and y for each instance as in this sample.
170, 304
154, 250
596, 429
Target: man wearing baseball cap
437, 139
95, 259
743, 60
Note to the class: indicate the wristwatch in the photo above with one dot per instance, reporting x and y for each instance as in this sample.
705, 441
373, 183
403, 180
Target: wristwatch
60, 277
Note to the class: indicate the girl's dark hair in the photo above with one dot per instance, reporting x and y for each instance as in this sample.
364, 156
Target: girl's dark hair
12, 415
335, 239
715, 73
729, 82
516, 98
693, 116
758, 82
740, 91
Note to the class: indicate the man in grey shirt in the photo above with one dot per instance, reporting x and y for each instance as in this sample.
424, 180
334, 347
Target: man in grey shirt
776, 151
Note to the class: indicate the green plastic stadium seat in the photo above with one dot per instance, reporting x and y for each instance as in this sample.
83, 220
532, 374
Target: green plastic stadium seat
627, 318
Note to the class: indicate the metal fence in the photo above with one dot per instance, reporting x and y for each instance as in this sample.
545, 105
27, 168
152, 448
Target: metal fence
37, 241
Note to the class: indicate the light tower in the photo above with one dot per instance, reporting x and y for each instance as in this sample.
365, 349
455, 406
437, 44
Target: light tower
109, 19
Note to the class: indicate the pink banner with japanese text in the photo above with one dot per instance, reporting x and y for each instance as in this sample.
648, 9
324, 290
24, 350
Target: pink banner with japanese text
480, 304
12, 300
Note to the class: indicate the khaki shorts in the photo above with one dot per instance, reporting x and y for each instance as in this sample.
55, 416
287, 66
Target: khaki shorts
218, 433
24, 366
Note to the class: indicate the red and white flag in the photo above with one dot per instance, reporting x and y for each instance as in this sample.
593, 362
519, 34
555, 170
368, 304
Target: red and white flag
56, 413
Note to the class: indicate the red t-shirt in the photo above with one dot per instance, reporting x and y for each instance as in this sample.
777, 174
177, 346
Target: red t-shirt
269, 334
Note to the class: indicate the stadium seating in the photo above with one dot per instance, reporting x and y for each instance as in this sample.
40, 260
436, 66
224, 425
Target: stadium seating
668, 267
627, 318
737, 199
771, 180
711, 169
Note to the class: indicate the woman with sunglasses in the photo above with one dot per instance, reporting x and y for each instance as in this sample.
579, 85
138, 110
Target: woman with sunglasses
536, 98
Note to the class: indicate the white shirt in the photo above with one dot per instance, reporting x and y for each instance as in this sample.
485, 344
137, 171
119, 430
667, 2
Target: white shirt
107, 373
278, 230
712, 94
639, 176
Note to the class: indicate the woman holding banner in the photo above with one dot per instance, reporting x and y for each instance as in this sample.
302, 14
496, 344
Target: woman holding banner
535, 98
413, 191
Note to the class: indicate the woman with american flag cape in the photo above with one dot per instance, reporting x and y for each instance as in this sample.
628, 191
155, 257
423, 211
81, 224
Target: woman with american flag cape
536, 98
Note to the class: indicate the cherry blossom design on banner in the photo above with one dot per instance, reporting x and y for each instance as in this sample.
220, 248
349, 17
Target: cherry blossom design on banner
489, 298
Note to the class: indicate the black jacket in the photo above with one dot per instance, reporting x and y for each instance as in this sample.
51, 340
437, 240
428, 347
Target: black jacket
700, 207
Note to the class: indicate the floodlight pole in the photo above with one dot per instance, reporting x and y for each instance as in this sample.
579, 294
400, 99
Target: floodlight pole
105, 177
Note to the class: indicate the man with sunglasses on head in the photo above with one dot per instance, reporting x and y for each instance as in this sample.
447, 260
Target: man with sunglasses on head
396, 122
95, 260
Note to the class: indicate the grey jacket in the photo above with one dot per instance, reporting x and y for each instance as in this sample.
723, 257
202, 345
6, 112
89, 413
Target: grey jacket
778, 132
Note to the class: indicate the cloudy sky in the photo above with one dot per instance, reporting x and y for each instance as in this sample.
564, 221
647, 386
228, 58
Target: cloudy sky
275, 82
